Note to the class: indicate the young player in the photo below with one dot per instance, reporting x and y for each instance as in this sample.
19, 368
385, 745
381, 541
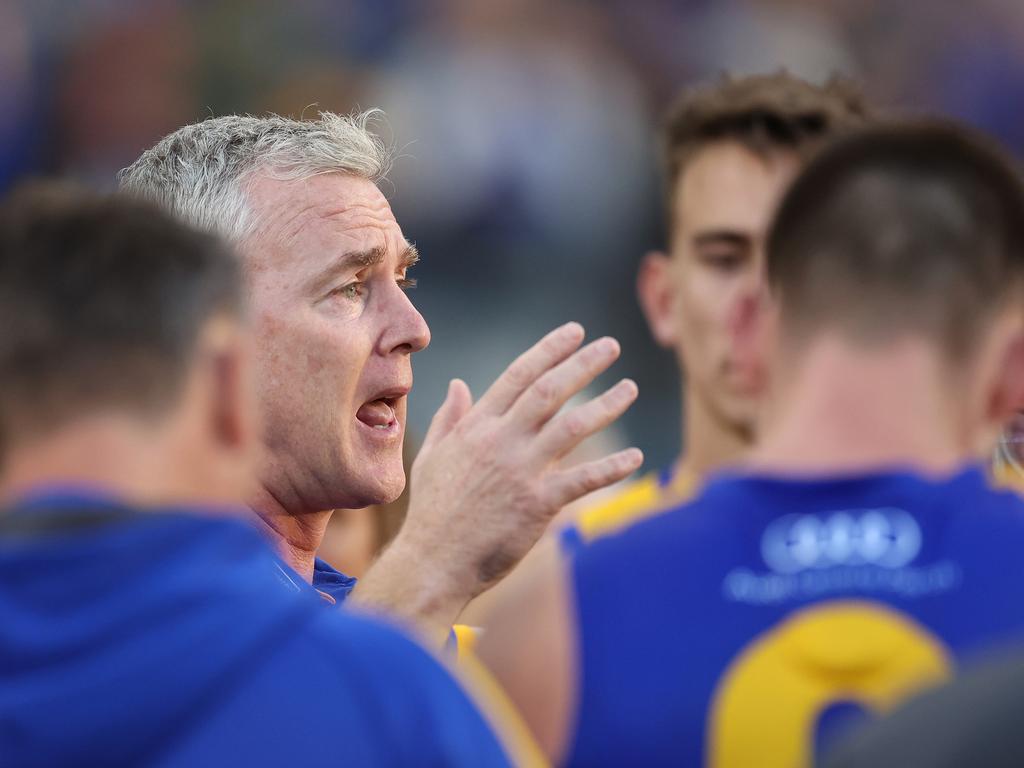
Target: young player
731, 150
861, 554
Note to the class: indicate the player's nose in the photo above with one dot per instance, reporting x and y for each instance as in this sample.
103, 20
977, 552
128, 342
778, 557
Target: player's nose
749, 301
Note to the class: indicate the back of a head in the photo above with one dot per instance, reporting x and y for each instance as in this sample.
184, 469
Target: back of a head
200, 172
102, 300
904, 228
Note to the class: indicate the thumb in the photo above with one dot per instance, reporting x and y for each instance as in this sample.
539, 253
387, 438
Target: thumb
456, 405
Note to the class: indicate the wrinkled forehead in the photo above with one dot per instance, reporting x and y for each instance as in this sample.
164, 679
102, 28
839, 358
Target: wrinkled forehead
302, 223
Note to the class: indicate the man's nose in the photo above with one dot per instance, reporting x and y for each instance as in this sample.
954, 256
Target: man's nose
405, 329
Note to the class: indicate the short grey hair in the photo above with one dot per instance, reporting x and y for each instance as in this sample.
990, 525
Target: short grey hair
199, 172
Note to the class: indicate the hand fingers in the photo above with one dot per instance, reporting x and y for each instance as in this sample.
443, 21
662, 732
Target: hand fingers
529, 366
567, 430
551, 391
456, 404
567, 485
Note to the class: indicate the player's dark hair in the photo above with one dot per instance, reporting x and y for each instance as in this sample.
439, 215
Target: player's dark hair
764, 113
906, 227
102, 300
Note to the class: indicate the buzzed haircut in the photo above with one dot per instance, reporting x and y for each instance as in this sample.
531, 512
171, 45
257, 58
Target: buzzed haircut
102, 301
908, 227
764, 113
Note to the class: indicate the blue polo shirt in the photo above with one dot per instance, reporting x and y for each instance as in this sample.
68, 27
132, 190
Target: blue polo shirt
331, 582
327, 581
336, 586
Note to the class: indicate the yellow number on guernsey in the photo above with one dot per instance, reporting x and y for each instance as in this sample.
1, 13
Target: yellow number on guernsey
767, 704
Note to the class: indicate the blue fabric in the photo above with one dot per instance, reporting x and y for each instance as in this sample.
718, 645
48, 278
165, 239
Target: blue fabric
166, 639
666, 607
570, 540
332, 582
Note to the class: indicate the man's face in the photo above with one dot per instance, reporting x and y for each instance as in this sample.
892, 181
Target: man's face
334, 333
707, 288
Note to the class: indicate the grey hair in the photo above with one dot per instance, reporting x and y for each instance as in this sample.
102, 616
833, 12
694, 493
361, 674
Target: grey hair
199, 172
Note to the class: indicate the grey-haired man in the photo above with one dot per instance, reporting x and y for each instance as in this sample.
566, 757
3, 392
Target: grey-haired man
326, 264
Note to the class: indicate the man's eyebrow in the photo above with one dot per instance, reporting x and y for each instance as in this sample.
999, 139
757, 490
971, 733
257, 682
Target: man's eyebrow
410, 256
722, 237
345, 263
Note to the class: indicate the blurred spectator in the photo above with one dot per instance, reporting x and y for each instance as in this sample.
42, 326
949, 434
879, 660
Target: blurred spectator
120, 84
19, 105
748, 38
523, 128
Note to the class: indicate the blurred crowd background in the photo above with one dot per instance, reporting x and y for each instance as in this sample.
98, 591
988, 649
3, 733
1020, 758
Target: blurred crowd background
527, 129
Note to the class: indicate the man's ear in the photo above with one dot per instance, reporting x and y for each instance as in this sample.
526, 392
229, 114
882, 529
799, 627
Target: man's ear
232, 403
656, 291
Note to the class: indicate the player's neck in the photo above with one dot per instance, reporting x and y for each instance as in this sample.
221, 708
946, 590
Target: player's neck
709, 445
842, 408
295, 537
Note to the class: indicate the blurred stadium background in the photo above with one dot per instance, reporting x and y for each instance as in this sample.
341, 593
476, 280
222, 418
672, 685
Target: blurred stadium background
528, 173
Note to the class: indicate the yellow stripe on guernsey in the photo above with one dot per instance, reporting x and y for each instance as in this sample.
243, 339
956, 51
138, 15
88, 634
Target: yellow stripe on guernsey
498, 710
636, 501
1007, 474
767, 703
465, 639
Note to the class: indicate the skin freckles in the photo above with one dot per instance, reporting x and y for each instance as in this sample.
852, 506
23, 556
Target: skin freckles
332, 333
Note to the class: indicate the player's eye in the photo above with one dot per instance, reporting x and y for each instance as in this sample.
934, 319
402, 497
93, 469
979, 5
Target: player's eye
406, 283
723, 261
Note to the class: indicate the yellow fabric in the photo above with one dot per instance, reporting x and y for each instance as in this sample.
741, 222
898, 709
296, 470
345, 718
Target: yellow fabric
1007, 475
465, 639
767, 703
499, 711
635, 501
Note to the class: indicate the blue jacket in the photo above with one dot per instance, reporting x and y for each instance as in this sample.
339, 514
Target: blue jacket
165, 638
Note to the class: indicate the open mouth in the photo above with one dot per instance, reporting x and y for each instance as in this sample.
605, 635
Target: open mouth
379, 413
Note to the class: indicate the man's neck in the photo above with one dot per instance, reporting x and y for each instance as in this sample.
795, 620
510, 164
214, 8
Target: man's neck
708, 443
295, 537
840, 408
132, 460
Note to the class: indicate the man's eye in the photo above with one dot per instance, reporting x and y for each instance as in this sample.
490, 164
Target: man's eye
351, 291
724, 262
406, 283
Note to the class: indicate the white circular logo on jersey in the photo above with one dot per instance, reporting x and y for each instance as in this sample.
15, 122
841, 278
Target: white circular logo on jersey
888, 538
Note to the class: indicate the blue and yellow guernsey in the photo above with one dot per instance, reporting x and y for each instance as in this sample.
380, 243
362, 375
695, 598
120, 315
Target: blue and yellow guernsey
773, 611
637, 500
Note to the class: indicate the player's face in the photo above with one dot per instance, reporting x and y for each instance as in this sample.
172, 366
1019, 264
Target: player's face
713, 276
334, 334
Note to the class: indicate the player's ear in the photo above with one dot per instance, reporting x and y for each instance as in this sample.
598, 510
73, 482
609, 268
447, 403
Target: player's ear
656, 291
